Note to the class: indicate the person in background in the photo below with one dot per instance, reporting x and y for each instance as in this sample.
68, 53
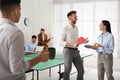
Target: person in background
12, 64
31, 45
105, 48
71, 54
43, 39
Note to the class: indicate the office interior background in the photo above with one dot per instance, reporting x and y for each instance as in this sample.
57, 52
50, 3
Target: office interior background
51, 15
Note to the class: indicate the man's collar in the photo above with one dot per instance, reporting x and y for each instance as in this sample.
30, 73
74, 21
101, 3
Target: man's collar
5, 20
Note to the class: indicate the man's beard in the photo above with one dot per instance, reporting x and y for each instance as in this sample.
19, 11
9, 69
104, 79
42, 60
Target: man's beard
74, 22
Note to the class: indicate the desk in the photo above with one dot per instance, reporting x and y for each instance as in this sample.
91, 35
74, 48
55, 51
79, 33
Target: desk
58, 61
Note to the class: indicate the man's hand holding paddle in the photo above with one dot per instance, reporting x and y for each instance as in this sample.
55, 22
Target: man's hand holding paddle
82, 40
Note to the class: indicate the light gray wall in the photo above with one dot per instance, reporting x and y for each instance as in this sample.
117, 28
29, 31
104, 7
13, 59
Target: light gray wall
39, 13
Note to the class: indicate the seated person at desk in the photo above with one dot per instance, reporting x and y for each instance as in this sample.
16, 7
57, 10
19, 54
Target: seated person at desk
31, 45
43, 39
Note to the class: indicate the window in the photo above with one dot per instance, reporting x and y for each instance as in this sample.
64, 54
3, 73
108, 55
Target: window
90, 14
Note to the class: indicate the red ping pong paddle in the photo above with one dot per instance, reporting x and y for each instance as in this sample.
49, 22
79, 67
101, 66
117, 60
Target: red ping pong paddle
81, 40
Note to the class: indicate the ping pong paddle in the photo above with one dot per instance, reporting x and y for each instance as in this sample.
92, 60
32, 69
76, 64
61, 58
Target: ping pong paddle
81, 40
95, 45
52, 51
88, 46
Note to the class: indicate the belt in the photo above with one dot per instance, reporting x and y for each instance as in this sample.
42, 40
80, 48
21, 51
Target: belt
71, 48
103, 53
100, 52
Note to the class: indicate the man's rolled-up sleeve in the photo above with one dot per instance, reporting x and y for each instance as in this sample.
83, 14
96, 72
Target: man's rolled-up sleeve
63, 37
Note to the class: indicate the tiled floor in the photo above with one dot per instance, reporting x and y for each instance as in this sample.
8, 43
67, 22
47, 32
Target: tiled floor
90, 66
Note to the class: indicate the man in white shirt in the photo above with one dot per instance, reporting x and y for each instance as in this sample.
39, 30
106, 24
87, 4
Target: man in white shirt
31, 45
69, 38
12, 64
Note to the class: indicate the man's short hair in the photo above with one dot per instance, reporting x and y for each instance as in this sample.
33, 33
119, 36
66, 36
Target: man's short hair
34, 36
42, 29
70, 13
7, 5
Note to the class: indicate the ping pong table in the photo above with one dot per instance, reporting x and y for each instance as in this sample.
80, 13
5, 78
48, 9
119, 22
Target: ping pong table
58, 61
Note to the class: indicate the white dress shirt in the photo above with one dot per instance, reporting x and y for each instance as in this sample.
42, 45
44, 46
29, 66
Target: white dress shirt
69, 35
12, 64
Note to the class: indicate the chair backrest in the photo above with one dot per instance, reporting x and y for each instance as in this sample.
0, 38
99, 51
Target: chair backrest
52, 51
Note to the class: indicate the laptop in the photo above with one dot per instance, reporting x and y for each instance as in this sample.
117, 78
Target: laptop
39, 48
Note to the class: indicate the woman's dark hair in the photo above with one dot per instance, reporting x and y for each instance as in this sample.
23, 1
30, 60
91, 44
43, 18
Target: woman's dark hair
107, 24
7, 5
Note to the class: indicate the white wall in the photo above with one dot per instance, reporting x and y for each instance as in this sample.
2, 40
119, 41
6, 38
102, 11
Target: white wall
39, 13
119, 33
44, 16
27, 11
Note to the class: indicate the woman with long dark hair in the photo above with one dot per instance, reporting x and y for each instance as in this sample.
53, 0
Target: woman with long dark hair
105, 48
